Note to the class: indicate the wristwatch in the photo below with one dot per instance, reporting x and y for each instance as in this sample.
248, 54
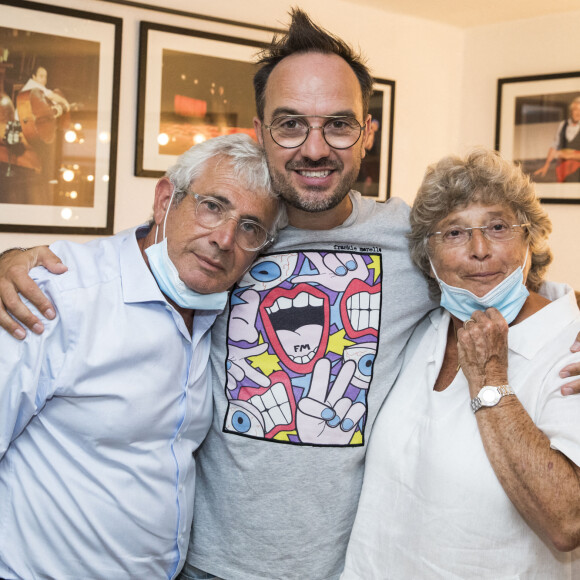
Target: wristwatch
489, 396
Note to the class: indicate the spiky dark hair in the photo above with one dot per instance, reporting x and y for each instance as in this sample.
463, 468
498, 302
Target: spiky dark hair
305, 36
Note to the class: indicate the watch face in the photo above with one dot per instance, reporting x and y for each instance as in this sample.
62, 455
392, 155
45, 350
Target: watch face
489, 396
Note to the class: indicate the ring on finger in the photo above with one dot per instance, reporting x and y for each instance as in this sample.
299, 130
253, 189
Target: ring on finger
467, 322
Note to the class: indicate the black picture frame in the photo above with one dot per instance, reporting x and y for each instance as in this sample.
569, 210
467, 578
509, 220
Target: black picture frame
58, 166
531, 115
193, 84
374, 179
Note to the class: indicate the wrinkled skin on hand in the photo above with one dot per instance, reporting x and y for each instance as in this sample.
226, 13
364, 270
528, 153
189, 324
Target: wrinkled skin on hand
483, 350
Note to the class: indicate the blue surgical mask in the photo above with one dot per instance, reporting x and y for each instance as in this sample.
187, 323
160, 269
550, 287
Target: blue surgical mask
168, 280
508, 296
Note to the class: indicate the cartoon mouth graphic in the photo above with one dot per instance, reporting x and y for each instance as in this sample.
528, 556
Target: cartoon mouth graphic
284, 317
275, 404
360, 309
274, 407
296, 322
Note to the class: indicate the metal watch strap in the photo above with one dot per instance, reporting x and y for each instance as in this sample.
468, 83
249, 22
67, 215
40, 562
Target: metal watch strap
503, 390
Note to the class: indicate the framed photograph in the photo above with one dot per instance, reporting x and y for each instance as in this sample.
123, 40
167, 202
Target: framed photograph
374, 179
538, 127
193, 85
59, 79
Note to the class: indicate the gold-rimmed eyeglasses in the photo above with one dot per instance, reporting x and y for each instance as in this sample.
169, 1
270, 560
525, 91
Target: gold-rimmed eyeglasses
339, 131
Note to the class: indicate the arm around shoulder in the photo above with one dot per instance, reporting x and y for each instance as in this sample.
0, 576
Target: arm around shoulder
14, 280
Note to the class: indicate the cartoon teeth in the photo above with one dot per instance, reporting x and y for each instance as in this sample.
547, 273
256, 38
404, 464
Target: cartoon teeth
297, 323
303, 359
274, 407
302, 300
363, 310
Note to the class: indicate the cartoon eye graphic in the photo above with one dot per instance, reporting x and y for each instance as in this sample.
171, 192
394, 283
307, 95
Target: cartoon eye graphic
365, 365
241, 422
244, 418
266, 271
364, 356
269, 271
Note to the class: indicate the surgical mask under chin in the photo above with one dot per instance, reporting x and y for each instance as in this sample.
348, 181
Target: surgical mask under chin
168, 280
508, 296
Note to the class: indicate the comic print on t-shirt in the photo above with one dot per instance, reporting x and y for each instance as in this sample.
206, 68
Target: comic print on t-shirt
302, 340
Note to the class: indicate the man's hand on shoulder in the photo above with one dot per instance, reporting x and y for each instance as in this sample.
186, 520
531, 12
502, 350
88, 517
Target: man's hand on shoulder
14, 280
573, 387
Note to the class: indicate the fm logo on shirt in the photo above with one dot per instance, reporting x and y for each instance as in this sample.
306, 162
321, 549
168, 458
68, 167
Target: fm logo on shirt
302, 340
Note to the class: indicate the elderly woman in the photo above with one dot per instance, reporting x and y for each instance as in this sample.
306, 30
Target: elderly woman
472, 468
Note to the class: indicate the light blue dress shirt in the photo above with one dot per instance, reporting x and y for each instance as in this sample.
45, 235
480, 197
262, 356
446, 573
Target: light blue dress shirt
99, 417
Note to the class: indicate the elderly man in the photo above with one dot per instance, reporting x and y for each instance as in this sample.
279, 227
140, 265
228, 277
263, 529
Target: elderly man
313, 336
100, 415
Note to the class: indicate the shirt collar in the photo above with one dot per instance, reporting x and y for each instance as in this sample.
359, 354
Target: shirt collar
529, 336
138, 282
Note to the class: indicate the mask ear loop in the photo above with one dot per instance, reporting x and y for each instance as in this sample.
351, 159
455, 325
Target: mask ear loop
426, 242
434, 271
165, 218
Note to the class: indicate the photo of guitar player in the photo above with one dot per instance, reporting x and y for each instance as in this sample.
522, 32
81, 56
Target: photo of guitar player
49, 138
42, 114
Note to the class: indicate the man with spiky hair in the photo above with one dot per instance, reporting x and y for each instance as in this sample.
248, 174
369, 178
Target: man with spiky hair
314, 335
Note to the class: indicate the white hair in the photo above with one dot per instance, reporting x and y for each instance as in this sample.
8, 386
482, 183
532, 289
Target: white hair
247, 163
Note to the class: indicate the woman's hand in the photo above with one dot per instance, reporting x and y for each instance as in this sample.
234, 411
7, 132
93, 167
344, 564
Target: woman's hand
482, 346
14, 279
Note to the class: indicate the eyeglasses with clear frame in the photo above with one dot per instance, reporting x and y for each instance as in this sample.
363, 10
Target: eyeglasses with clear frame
339, 131
211, 213
496, 231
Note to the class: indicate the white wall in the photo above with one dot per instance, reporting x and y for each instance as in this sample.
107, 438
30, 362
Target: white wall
445, 88
537, 46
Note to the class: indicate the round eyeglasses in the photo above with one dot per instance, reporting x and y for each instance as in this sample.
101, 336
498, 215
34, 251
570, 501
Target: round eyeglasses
211, 213
496, 231
339, 131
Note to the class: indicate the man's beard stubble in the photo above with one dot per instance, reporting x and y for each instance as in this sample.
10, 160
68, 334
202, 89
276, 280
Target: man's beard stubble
291, 195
